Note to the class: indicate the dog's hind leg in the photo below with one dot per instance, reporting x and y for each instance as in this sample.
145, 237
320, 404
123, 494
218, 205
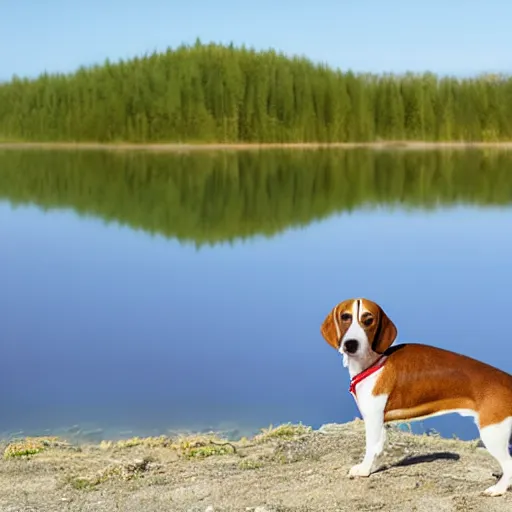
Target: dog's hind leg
496, 439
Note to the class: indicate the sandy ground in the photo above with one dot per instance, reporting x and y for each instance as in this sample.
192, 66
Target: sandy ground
285, 470
176, 147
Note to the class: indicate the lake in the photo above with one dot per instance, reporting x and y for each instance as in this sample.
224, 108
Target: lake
143, 293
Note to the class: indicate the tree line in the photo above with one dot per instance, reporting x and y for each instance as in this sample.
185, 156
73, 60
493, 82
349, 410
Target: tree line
207, 199
215, 93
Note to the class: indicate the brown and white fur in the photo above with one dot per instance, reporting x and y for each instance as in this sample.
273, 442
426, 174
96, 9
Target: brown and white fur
416, 382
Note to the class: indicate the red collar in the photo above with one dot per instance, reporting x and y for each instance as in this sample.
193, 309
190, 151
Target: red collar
365, 373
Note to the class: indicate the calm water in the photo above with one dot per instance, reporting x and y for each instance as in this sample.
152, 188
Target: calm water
142, 293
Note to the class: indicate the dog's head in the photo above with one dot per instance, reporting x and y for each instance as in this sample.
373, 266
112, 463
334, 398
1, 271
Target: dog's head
358, 328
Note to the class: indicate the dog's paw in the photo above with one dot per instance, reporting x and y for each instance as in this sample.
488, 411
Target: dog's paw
360, 470
495, 490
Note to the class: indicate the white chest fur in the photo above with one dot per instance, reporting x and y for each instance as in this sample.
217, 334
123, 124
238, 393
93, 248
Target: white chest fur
367, 403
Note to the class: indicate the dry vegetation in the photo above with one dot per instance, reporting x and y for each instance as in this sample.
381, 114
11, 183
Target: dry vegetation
418, 145
290, 468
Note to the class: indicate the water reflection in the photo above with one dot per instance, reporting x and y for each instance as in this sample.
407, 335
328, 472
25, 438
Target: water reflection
105, 325
221, 196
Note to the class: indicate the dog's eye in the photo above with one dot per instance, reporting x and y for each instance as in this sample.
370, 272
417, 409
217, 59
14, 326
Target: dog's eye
346, 317
368, 321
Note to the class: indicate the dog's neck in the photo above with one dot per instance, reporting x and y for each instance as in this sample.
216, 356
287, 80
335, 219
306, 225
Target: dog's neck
356, 366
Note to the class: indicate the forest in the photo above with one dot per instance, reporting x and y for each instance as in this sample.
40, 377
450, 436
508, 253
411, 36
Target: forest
214, 93
213, 198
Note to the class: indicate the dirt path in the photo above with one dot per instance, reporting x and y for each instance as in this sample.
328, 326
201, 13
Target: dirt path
178, 147
285, 470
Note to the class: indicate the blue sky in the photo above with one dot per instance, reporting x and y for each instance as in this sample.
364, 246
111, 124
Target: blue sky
456, 37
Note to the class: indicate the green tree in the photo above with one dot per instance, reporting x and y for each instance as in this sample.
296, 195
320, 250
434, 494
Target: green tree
210, 92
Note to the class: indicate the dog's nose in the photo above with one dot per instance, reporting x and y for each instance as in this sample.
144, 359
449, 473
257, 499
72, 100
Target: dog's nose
351, 346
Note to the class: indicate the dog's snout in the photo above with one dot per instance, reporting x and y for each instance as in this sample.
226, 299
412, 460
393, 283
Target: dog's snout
351, 346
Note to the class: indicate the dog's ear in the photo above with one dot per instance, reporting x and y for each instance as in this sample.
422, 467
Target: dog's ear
385, 335
330, 329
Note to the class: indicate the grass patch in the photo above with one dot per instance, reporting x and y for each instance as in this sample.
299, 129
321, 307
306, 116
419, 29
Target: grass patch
124, 472
190, 446
148, 442
82, 483
200, 447
287, 431
29, 446
248, 464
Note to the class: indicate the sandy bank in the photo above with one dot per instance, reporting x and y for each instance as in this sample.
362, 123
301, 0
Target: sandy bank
286, 470
176, 147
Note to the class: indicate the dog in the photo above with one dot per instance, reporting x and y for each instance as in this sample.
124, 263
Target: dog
410, 382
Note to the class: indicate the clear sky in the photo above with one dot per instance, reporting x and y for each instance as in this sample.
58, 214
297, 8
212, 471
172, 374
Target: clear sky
451, 36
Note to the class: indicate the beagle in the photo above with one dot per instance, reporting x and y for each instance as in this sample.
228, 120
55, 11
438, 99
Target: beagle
410, 382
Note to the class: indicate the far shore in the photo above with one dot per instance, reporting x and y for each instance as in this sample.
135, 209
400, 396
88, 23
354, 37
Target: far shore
247, 146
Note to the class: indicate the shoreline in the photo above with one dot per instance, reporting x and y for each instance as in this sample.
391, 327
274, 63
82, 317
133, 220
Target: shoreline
246, 146
290, 468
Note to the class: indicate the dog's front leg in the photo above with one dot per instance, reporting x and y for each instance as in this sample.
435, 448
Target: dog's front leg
375, 434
